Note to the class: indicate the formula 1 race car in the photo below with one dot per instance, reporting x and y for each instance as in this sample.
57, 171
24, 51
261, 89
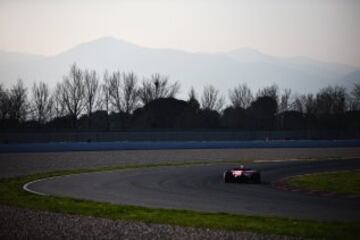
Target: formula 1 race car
242, 174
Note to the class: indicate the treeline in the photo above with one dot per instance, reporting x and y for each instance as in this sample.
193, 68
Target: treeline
121, 102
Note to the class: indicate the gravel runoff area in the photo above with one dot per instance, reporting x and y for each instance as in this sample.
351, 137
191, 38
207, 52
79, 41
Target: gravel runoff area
27, 224
18, 223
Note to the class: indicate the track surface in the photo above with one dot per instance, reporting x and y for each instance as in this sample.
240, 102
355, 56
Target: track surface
201, 188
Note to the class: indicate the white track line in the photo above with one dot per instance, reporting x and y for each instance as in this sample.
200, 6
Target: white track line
26, 188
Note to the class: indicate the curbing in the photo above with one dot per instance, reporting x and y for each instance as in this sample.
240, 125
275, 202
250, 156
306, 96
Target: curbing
27, 189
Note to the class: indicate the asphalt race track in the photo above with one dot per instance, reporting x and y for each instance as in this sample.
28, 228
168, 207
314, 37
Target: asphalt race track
201, 188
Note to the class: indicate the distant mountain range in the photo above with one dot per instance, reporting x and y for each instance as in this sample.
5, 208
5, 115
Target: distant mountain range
224, 70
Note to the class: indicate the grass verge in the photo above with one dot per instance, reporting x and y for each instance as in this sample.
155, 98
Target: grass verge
341, 182
12, 194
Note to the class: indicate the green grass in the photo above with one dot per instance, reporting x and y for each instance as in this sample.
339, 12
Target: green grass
11, 193
342, 182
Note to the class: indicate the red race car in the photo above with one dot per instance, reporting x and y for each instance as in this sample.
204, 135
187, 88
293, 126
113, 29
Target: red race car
242, 174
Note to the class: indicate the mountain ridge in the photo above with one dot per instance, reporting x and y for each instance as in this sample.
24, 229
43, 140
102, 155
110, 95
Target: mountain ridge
222, 69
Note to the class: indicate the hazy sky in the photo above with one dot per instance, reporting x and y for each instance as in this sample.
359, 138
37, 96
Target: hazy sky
322, 29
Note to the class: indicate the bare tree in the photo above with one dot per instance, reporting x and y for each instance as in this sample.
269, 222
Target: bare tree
270, 91
115, 91
355, 94
310, 104
285, 100
130, 92
123, 91
331, 100
192, 94
157, 87
145, 92
211, 100
5, 103
192, 99
58, 103
298, 104
18, 102
241, 96
305, 104
104, 100
73, 92
91, 83
41, 102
